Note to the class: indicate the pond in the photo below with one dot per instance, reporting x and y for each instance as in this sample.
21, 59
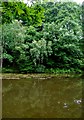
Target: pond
52, 97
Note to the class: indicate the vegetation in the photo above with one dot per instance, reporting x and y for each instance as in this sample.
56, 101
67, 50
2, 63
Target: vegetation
45, 37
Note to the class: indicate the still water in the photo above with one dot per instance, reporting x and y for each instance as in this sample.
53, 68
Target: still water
56, 97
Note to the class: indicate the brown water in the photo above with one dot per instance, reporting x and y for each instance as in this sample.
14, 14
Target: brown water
56, 97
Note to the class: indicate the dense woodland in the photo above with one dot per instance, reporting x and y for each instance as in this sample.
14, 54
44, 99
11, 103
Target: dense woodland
42, 38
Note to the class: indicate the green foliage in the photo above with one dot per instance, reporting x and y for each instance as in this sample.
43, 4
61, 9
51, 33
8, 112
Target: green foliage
39, 50
7, 70
33, 15
40, 68
13, 39
63, 27
61, 71
56, 48
25, 66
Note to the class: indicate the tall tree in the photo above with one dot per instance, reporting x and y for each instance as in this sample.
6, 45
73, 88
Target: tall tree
32, 15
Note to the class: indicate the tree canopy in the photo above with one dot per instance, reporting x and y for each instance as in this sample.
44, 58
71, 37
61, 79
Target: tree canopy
45, 37
33, 15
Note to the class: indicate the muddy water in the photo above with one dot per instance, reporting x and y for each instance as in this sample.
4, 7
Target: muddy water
56, 97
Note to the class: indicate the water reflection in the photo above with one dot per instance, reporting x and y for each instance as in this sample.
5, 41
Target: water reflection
42, 98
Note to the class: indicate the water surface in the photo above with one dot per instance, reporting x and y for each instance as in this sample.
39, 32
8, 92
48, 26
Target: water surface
56, 97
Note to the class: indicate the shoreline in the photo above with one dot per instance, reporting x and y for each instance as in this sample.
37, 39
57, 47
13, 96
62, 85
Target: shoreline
16, 76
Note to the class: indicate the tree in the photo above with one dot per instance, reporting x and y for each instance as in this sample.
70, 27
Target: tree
13, 41
56, 46
63, 27
39, 50
32, 15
